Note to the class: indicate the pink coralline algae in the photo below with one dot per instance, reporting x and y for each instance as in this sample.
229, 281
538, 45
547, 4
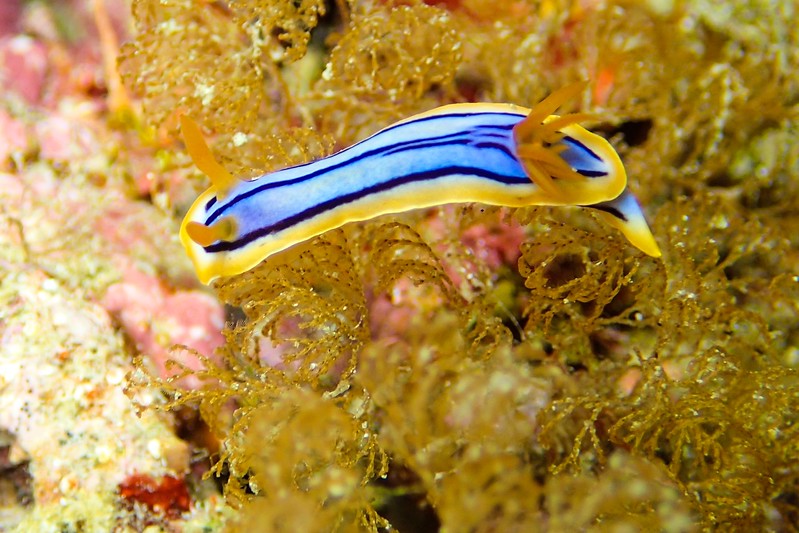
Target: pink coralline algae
91, 277
156, 318
25, 66
9, 13
16, 139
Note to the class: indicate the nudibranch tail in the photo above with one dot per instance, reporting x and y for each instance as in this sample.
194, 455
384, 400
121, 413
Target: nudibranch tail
625, 214
221, 180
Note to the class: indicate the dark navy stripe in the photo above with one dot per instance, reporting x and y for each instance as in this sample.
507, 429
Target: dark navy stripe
233, 201
404, 146
501, 126
498, 146
427, 119
590, 173
608, 209
357, 195
520, 116
581, 146
492, 135
311, 175
443, 140
463, 142
398, 147
467, 135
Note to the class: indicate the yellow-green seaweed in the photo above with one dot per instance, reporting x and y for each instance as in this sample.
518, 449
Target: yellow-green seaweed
615, 391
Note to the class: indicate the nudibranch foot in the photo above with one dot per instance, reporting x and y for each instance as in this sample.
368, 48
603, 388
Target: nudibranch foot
222, 180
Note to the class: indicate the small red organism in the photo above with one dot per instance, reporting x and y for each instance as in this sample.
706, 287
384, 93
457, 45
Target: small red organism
603, 86
169, 495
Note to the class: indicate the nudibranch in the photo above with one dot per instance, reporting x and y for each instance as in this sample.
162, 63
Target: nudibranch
499, 154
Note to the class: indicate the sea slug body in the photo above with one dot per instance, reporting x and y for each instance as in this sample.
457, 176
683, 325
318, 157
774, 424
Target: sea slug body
498, 154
